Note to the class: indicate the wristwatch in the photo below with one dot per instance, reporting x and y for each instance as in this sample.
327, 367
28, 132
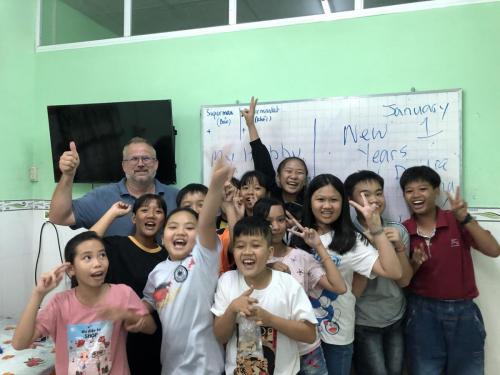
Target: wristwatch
468, 218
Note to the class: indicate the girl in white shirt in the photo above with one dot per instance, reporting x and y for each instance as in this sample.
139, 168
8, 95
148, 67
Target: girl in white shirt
326, 209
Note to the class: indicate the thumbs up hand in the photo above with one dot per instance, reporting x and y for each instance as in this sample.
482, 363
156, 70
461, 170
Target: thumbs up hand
69, 161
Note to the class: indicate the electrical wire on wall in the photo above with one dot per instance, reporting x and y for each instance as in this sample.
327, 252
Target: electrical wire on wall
40, 246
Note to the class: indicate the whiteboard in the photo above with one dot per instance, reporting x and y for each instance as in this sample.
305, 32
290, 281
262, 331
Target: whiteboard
383, 133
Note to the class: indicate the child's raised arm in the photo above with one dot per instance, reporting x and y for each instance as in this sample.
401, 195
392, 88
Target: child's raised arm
207, 222
249, 115
232, 205
387, 265
116, 210
261, 158
26, 331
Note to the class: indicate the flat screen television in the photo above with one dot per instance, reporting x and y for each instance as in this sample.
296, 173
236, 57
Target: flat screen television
101, 130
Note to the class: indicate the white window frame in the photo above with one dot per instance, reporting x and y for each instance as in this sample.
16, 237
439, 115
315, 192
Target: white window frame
233, 26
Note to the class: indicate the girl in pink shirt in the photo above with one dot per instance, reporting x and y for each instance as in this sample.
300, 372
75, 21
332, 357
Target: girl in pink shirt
89, 322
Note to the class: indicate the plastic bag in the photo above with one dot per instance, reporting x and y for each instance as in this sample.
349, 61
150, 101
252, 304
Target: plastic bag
250, 357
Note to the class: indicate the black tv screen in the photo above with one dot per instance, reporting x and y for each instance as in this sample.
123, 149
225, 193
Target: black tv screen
101, 130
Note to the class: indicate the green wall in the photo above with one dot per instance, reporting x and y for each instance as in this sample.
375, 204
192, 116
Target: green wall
455, 47
17, 97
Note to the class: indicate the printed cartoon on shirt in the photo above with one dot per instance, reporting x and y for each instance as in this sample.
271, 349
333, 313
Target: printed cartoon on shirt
326, 314
89, 348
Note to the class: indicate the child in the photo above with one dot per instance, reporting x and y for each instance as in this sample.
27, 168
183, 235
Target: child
253, 186
444, 330
271, 298
327, 211
378, 336
88, 323
304, 268
192, 196
131, 259
292, 174
181, 289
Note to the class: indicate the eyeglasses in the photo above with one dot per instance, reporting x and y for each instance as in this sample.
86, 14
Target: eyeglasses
144, 159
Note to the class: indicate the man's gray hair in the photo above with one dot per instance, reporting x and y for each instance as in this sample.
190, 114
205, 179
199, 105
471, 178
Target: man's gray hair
137, 140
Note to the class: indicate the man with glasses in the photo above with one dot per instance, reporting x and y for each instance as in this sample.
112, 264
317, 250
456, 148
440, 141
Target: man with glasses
139, 165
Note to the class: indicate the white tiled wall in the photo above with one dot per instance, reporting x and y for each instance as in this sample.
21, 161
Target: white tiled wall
19, 241
16, 272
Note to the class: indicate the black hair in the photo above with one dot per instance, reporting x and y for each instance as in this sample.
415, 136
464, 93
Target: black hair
144, 200
253, 226
181, 209
190, 188
263, 206
257, 175
70, 248
235, 182
420, 173
361, 176
296, 209
345, 234
286, 160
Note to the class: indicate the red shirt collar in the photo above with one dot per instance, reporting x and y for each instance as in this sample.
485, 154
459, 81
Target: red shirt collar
441, 221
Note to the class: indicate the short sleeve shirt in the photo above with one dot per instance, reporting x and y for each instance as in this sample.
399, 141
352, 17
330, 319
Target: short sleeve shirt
448, 273
303, 267
284, 297
182, 292
84, 341
335, 313
307, 271
383, 302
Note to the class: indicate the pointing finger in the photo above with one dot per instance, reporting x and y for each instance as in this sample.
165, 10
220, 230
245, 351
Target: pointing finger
248, 291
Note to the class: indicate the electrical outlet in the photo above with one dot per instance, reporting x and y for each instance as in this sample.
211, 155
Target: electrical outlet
33, 174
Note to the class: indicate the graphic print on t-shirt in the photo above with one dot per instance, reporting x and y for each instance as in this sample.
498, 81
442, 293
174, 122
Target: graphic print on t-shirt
89, 348
166, 292
326, 314
269, 337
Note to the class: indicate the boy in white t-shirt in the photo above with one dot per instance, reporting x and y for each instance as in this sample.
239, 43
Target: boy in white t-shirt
273, 299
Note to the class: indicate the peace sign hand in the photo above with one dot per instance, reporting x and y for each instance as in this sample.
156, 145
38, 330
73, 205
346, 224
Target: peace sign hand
457, 205
50, 280
369, 212
309, 235
229, 190
249, 113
